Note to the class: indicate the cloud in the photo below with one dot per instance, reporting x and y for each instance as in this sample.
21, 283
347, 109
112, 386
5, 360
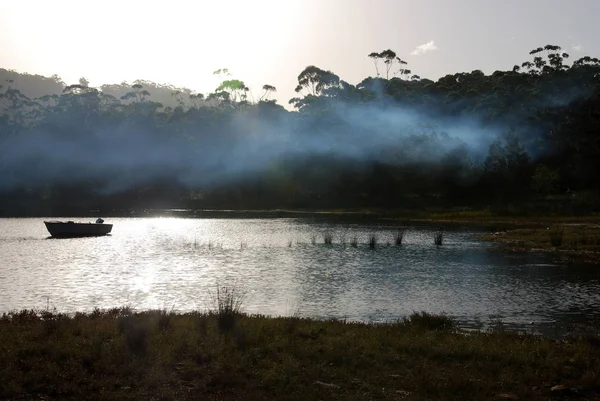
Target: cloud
427, 47
577, 48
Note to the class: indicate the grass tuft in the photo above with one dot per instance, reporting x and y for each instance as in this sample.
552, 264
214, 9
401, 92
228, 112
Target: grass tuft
135, 331
165, 318
372, 241
399, 237
556, 237
228, 303
429, 321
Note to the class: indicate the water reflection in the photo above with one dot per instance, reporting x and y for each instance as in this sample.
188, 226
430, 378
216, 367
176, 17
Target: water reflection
173, 262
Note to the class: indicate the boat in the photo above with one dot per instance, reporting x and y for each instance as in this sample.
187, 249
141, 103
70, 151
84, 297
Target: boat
71, 229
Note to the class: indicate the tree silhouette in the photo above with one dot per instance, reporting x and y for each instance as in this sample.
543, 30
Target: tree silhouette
138, 94
315, 80
192, 139
389, 59
267, 90
375, 57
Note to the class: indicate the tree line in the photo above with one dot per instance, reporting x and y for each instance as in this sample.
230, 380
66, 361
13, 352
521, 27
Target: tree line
522, 140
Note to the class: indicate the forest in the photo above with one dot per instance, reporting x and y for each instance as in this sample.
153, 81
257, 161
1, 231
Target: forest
522, 141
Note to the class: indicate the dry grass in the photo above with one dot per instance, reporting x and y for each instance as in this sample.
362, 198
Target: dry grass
421, 357
227, 303
578, 241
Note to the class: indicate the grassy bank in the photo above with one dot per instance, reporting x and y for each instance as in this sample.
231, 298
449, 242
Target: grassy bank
486, 216
575, 238
161, 356
574, 242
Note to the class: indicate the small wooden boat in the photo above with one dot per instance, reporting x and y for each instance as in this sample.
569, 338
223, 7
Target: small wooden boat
71, 229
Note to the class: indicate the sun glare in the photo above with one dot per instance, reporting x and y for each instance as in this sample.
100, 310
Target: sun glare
180, 44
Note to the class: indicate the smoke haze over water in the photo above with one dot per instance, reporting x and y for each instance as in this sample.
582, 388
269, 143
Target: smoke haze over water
240, 148
239, 145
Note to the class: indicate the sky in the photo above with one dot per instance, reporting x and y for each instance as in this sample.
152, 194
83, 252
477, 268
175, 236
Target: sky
271, 41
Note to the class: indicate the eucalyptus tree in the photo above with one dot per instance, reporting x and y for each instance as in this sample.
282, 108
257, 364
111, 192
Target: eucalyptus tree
237, 89
546, 60
178, 96
267, 91
17, 109
552, 106
139, 103
313, 82
375, 57
197, 99
390, 59
137, 94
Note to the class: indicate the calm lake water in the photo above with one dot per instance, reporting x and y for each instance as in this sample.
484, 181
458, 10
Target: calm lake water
175, 263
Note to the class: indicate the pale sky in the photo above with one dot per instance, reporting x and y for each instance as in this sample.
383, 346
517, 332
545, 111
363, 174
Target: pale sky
271, 41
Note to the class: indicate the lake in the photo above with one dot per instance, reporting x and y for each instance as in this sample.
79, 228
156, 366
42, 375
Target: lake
283, 267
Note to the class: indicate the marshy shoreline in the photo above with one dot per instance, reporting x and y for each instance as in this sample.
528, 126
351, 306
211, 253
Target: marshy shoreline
227, 355
571, 238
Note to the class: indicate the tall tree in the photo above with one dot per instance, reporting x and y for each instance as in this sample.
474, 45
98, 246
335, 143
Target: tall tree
315, 80
267, 90
138, 94
390, 59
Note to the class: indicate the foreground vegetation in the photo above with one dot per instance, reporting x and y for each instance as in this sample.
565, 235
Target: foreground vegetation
225, 355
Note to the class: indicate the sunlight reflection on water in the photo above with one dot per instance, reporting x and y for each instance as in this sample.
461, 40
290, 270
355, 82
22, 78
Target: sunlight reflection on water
174, 262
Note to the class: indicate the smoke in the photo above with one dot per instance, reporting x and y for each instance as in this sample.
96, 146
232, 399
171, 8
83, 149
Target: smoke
238, 145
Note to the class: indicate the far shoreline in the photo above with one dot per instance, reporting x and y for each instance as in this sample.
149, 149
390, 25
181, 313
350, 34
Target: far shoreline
578, 236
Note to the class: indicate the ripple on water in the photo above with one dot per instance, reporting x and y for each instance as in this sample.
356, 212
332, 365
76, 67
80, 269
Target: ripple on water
175, 262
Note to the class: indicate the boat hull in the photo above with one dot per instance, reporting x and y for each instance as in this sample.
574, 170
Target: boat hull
69, 229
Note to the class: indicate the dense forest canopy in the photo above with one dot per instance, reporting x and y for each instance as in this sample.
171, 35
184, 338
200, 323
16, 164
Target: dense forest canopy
395, 140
